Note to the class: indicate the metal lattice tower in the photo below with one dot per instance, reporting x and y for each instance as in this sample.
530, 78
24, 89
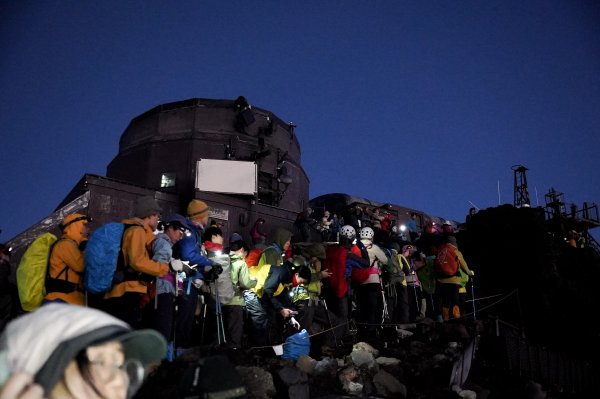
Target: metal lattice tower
521, 192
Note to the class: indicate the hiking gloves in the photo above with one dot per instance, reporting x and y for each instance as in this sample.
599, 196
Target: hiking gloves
176, 265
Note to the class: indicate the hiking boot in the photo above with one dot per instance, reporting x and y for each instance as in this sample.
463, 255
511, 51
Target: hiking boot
446, 314
456, 312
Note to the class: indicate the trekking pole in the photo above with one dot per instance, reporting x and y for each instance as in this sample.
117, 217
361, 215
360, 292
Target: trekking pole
204, 306
330, 325
385, 314
220, 325
473, 298
171, 345
416, 299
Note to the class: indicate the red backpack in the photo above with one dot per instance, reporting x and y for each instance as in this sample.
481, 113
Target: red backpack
446, 262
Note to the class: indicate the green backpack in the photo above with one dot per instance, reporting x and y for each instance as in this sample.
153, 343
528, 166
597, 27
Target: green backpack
31, 272
426, 275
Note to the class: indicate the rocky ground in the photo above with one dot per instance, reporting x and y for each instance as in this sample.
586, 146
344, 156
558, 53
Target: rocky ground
418, 361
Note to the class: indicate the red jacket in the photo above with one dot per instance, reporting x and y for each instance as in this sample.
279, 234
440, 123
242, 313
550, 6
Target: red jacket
335, 262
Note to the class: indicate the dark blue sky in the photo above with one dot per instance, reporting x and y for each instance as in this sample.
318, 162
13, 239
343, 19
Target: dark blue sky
423, 105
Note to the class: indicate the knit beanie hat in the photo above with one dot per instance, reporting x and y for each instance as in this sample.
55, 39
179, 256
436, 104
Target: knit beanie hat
235, 237
197, 209
146, 206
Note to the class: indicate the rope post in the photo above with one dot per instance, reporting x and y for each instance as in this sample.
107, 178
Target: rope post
473, 298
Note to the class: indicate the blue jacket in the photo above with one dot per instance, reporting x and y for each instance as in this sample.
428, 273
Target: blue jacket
189, 248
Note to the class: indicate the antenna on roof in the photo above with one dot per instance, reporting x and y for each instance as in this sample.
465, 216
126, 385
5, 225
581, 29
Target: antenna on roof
474, 206
521, 191
498, 192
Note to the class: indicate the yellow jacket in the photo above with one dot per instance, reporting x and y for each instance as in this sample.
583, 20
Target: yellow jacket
137, 241
260, 273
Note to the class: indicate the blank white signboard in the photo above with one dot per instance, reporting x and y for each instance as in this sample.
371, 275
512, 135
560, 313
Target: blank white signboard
224, 176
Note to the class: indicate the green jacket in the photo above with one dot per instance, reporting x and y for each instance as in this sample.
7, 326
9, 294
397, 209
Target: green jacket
273, 254
240, 279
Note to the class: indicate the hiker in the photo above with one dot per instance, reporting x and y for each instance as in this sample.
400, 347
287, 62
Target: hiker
189, 249
233, 311
398, 285
369, 297
304, 222
270, 299
274, 253
324, 226
66, 266
411, 225
124, 299
313, 314
66, 351
340, 260
169, 286
212, 240
416, 299
259, 237
447, 287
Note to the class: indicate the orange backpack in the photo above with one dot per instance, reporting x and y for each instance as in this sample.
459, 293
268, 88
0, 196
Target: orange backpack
446, 262
254, 256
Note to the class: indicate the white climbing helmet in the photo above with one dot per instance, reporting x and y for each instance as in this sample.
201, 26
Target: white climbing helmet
367, 232
348, 232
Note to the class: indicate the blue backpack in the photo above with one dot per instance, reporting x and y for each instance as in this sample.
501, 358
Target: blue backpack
102, 256
296, 345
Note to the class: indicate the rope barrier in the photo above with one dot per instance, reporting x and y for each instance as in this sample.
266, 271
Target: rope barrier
463, 316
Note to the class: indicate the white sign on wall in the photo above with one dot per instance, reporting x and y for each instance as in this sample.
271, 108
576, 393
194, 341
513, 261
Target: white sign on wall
225, 176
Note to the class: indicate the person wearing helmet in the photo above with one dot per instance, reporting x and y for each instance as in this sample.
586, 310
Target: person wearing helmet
369, 299
447, 228
66, 266
340, 260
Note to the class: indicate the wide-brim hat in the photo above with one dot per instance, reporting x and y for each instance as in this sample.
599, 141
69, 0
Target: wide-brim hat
67, 330
146, 206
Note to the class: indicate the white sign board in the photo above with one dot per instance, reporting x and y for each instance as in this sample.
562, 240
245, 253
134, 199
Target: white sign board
224, 176
217, 213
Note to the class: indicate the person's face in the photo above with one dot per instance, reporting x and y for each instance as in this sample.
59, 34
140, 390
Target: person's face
315, 262
174, 234
242, 252
217, 239
107, 366
85, 230
153, 221
300, 280
286, 245
105, 375
204, 220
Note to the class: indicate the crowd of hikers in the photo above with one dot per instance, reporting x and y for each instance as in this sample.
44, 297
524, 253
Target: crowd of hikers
179, 276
